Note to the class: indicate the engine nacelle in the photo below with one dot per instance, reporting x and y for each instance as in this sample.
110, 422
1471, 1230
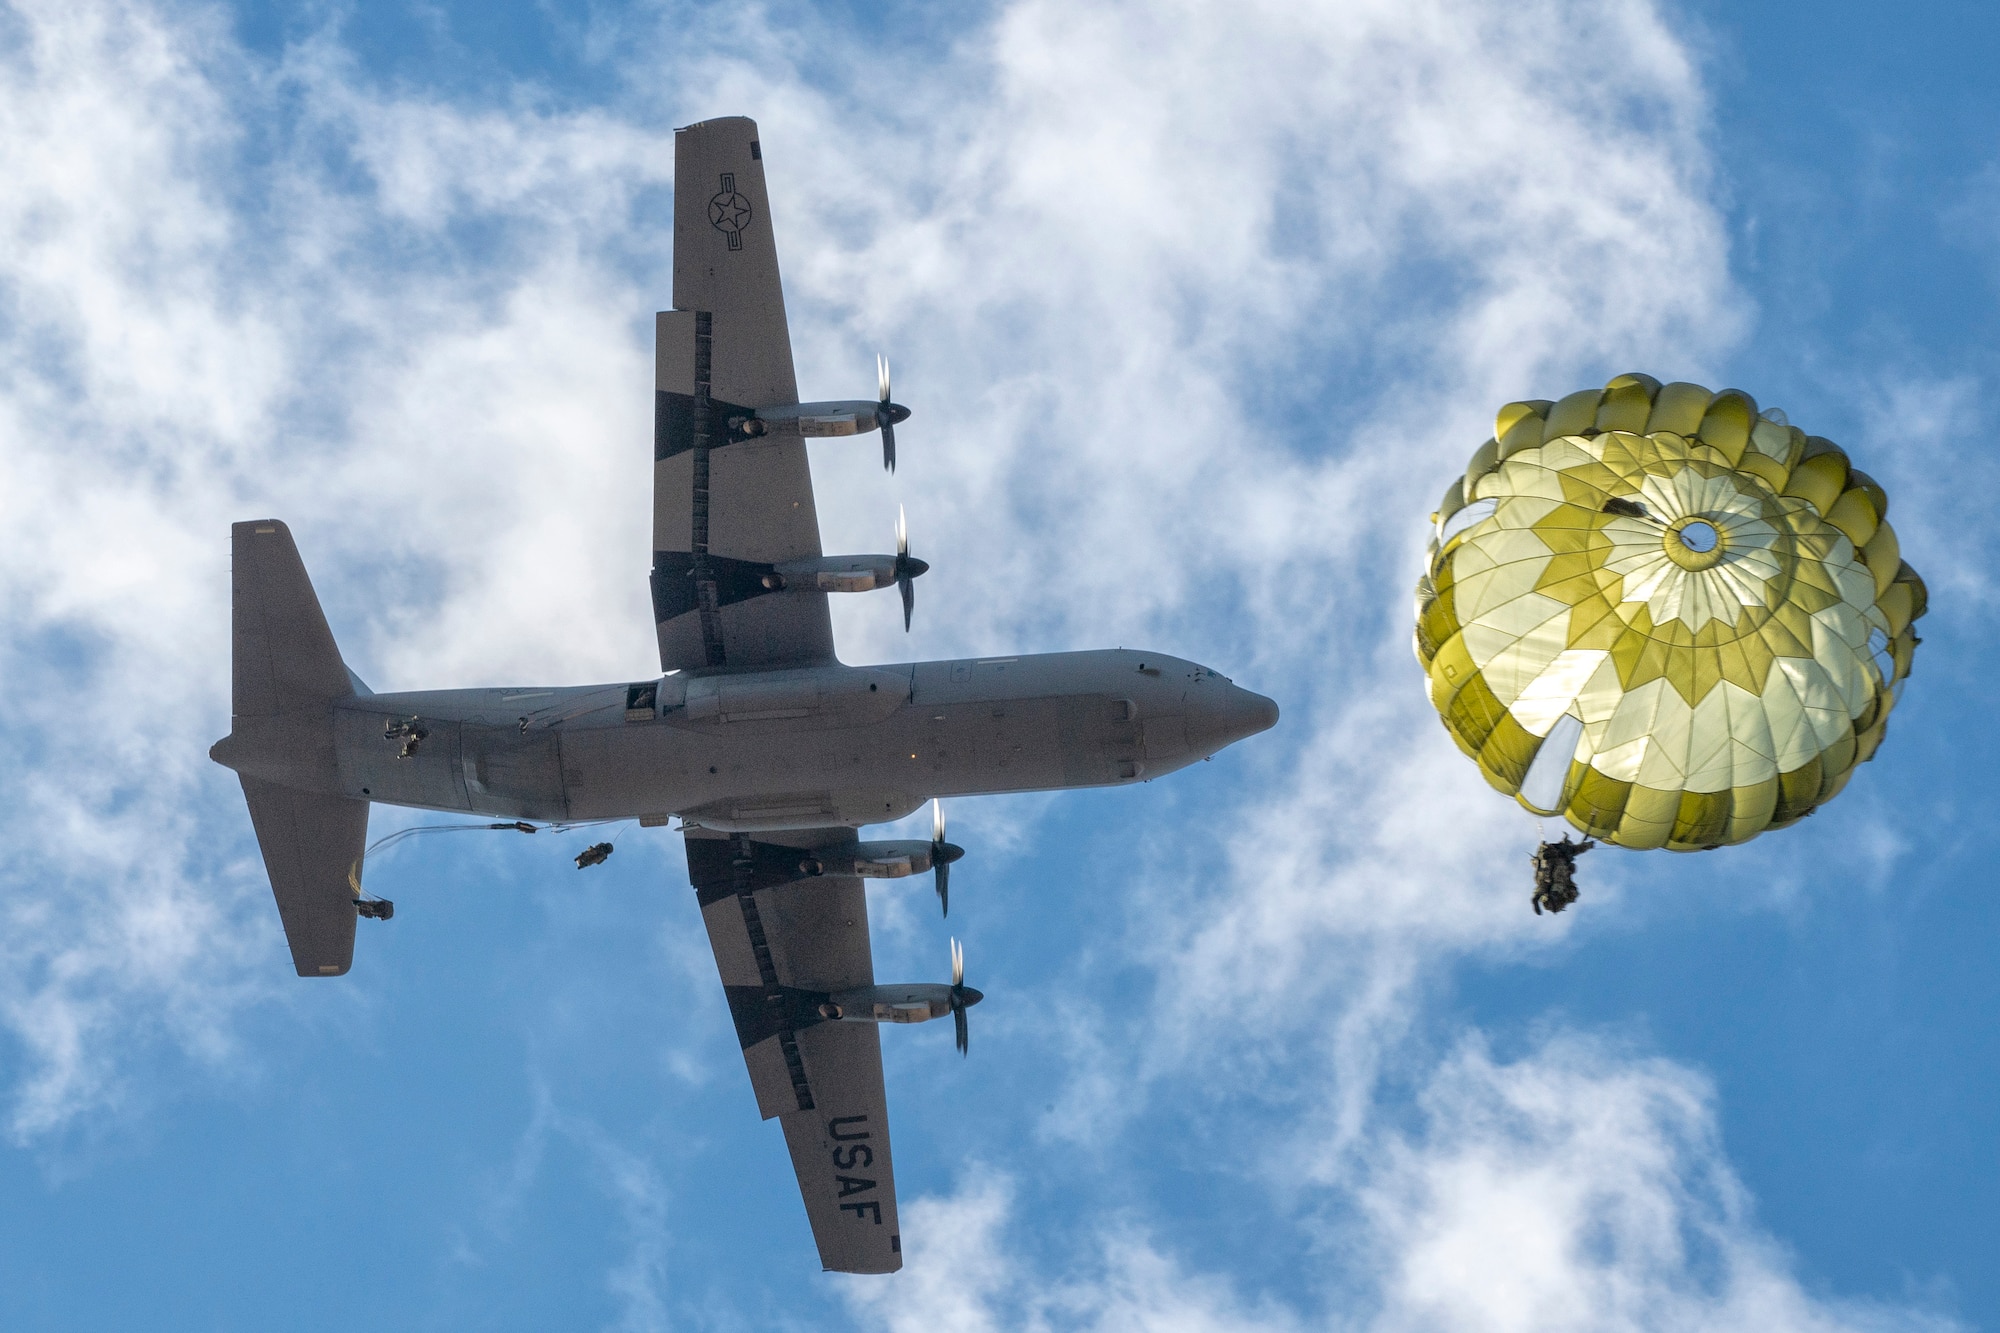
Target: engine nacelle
836, 573
773, 865
886, 859
882, 860
848, 416
918, 1003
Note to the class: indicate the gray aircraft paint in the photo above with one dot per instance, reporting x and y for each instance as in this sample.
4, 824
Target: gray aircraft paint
769, 750
760, 751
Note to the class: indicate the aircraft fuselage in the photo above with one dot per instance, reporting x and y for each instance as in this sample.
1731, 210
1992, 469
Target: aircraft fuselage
764, 750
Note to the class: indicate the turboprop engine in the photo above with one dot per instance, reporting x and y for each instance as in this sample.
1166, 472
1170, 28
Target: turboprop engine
857, 573
838, 573
917, 1002
843, 416
840, 416
887, 859
894, 858
769, 865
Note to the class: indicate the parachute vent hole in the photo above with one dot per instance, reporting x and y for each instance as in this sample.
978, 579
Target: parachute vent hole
1699, 537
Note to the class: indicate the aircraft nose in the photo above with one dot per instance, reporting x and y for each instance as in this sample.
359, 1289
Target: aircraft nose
1227, 716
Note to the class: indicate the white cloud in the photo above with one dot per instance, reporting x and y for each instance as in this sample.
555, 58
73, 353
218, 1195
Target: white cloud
1198, 305
128, 372
1135, 298
965, 1274
957, 1270
205, 321
1920, 428
1580, 1189
1576, 1188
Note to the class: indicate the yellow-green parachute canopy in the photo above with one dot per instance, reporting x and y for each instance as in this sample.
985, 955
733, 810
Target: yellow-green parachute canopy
1663, 616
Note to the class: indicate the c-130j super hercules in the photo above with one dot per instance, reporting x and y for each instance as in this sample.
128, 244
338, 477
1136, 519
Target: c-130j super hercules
769, 749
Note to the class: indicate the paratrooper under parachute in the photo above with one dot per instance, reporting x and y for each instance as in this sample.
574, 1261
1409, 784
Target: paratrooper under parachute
1555, 873
1668, 618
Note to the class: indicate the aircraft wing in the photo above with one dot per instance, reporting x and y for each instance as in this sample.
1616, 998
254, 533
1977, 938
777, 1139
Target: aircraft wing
724, 507
781, 947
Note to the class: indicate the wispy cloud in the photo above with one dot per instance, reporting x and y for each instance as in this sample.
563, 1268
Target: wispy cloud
1579, 1187
1200, 306
237, 289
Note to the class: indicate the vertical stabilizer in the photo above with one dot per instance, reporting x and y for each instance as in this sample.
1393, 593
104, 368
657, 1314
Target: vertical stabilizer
286, 675
282, 653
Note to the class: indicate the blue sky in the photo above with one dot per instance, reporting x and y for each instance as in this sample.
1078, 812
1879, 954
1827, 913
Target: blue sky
1198, 308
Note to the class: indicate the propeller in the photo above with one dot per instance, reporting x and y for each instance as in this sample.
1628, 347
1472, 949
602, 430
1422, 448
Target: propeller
887, 414
963, 997
908, 567
942, 855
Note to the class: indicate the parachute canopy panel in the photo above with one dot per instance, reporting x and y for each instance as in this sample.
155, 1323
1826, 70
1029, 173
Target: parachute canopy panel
1699, 610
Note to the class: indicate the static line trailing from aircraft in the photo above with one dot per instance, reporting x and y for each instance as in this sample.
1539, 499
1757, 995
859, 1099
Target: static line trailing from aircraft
769, 750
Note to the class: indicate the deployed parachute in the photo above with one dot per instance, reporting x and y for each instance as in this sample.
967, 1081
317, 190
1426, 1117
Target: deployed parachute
1667, 618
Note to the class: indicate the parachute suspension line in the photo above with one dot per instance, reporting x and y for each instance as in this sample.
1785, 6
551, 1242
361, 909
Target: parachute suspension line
372, 905
1544, 864
403, 834
362, 896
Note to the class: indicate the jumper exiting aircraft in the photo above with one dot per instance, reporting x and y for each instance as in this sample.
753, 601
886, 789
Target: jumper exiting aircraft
769, 750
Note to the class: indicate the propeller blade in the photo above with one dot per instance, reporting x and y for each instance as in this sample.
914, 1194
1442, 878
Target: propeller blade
884, 416
940, 860
963, 997
906, 569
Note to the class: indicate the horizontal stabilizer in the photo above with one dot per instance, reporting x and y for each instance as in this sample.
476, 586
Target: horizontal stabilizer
312, 848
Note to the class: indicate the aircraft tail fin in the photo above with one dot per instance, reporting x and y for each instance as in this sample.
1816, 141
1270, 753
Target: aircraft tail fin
282, 653
286, 674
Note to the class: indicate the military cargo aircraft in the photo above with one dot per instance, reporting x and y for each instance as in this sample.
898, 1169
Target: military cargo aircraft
770, 751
